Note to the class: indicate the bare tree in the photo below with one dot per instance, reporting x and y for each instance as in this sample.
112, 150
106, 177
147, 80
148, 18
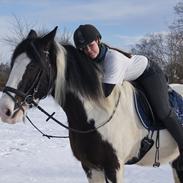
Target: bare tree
175, 46
20, 29
4, 72
17, 32
153, 47
177, 25
166, 49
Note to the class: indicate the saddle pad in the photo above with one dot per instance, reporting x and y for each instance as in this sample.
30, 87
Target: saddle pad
176, 101
145, 112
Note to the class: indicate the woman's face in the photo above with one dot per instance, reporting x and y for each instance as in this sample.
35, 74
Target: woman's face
92, 49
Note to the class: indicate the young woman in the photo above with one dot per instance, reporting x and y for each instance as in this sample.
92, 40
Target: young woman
118, 66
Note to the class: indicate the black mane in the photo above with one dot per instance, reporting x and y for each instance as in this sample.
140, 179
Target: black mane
82, 74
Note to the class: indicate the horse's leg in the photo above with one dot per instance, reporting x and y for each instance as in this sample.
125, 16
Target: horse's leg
178, 174
175, 176
93, 175
109, 175
114, 176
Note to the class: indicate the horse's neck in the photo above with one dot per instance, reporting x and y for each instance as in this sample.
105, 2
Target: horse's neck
122, 92
122, 95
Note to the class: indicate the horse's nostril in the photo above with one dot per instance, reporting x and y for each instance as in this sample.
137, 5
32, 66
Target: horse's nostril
8, 112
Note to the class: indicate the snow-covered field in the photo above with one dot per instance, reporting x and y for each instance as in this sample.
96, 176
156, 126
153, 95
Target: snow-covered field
28, 157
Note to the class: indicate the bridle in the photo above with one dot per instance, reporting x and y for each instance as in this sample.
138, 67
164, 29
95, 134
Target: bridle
28, 99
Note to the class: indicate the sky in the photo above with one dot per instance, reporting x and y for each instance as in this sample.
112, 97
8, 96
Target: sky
122, 23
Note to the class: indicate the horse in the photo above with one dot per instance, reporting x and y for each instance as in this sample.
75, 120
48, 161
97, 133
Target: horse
104, 132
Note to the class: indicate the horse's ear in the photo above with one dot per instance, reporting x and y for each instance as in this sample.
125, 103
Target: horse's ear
49, 38
32, 34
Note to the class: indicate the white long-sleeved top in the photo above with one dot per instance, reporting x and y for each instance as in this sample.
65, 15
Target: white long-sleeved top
117, 67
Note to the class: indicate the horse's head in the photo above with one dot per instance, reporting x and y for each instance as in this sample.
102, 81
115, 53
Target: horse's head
31, 77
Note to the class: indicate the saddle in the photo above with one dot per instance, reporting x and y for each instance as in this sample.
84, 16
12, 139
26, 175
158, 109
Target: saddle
151, 123
145, 112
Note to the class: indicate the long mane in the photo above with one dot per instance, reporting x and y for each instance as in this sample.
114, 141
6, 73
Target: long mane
82, 75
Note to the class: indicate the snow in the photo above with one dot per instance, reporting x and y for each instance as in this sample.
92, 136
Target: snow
27, 156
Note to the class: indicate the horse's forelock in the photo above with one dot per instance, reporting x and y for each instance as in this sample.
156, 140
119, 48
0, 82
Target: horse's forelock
26, 46
20, 49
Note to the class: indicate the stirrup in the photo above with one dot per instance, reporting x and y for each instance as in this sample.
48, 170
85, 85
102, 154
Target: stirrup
146, 145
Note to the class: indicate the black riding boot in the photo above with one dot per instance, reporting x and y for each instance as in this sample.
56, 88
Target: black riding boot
154, 83
176, 130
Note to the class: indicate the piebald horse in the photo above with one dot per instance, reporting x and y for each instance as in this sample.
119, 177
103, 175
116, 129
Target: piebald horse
104, 132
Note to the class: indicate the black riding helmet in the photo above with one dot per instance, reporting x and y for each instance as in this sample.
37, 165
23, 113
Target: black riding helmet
85, 34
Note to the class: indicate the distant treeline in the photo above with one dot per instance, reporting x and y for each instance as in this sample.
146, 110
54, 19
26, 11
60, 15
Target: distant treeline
166, 48
4, 73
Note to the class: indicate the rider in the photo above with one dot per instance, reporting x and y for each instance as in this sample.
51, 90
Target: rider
119, 66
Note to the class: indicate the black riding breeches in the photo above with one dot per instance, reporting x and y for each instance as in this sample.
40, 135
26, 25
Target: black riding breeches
154, 84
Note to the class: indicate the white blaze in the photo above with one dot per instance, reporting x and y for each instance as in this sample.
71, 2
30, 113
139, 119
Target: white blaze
6, 102
18, 70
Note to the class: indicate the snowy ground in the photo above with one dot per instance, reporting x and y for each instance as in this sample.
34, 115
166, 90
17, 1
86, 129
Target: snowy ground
27, 157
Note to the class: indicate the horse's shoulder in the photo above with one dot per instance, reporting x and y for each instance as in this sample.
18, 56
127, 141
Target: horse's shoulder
122, 92
126, 87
